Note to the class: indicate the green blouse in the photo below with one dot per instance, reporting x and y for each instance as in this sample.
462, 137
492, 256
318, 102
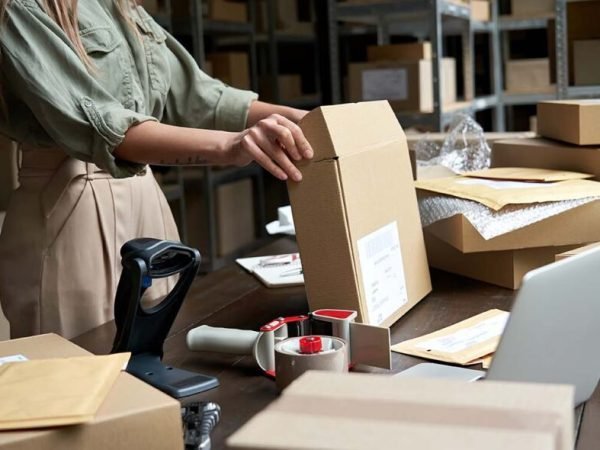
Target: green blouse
52, 99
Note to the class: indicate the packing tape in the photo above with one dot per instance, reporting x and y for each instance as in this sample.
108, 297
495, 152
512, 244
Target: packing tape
291, 361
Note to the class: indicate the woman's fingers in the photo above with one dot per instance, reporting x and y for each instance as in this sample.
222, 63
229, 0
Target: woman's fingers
277, 154
251, 147
300, 140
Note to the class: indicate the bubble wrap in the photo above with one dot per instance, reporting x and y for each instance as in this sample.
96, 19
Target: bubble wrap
464, 148
490, 223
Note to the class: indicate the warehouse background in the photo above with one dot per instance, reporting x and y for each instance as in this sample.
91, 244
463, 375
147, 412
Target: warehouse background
433, 59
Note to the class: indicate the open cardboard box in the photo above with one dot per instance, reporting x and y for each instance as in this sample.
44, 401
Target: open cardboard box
356, 216
133, 416
367, 411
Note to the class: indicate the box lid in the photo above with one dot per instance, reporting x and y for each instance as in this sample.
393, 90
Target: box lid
345, 131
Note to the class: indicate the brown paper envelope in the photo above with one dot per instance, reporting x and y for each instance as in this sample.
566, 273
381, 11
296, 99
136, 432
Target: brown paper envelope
526, 174
52, 392
496, 194
460, 343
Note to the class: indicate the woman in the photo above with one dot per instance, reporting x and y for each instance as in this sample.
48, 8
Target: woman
94, 91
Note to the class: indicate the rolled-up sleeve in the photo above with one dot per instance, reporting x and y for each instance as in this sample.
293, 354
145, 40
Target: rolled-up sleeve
42, 69
200, 101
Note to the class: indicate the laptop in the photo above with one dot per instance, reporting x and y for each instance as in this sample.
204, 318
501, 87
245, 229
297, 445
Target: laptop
553, 333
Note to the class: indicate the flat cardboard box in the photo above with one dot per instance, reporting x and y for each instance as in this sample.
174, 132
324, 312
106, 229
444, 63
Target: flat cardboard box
439, 138
235, 216
357, 200
576, 251
574, 121
134, 414
529, 8
586, 62
546, 154
502, 268
527, 76
574, 227
413, 51
406, 85
480, 10
368, 411
233, 68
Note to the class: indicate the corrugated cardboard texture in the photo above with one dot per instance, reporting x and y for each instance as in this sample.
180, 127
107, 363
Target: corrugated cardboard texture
358, 181
574, 121
502, 268
134, 415
546, 154
577, 226
367, 411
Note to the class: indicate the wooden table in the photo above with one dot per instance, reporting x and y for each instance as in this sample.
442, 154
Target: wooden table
231, 297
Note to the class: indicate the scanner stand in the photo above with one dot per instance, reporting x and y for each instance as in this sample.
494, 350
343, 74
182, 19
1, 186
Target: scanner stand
142, 331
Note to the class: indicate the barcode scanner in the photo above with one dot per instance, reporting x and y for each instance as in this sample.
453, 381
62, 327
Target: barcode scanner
142, 331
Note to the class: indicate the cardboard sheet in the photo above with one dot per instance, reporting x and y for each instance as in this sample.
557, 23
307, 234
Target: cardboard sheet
526, 174
496, 194
53, 392
461, 343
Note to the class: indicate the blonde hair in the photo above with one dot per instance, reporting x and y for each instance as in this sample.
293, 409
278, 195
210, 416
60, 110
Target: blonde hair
64, 13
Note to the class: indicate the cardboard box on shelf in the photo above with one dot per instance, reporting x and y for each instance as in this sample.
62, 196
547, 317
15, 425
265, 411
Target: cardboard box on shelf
384, 412
576, 251
582, 24
134, 414
413, 51
406, 85
356, 215
530, 8
503, 268
586, 63
233, 68
480, 10
235, 221
574, 227
227, 10
574, 121
546, 154
527, 76
290, 88
235, 216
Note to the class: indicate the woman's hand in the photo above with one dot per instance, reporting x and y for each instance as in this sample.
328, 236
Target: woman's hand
273, 142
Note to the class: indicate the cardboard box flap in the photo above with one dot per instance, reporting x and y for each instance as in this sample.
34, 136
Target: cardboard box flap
497, 194
370, 345
379, 411
526, 174
329, 128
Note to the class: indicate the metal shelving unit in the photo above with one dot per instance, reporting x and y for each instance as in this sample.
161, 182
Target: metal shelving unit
432, 20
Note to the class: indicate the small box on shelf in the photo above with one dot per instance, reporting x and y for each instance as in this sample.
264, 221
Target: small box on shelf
586, 62
232, 68
528, 76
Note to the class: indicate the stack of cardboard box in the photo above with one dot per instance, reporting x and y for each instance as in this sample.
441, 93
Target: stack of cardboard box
454, 245
402, 74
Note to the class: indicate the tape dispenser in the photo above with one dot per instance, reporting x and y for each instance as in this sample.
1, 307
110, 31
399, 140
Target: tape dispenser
364, 344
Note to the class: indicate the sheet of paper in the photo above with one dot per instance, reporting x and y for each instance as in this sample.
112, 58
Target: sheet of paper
12, 358
502, 184
468, 337
385, 84
275, 270
382, 272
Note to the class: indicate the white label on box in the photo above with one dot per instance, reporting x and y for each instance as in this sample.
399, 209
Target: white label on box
12, 358
468, 337
503, 184
382, 272
385, 84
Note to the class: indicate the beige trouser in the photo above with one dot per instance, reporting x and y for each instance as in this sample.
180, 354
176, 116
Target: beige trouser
59, 247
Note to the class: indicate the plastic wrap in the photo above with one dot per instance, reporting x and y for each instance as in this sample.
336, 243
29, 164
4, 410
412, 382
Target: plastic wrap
464, 148
490, 223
